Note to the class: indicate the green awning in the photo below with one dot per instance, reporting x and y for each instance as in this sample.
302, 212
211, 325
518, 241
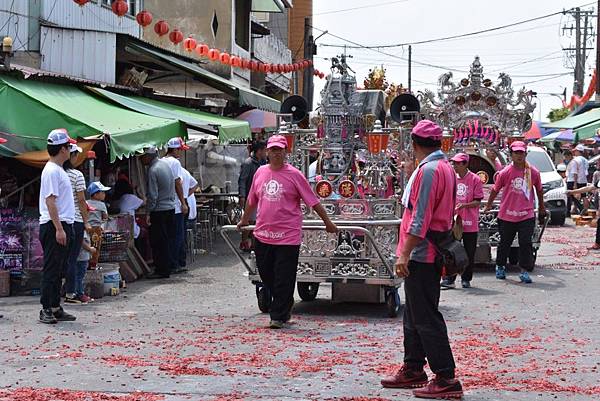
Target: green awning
587, 131
228, 129
245, 96
575, 122
31, 109
268, 6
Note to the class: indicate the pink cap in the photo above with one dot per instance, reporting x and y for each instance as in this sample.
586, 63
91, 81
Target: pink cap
427, 129
460, 158
277, 141
2, 140
518, 146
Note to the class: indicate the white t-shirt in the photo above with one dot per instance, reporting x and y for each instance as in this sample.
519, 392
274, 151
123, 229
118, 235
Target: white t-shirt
582, 169
77, 185
572, 169
55, 181
191, 183
177, 171
129, 203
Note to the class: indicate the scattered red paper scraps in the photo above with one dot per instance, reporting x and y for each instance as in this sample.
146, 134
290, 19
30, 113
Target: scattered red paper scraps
182, 369
125, 360
55, 394
358, 399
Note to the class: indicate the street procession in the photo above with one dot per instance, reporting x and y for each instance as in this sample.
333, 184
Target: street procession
240, 200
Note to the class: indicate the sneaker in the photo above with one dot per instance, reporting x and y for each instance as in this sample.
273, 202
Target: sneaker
524, 277
405, 377
447, 283
440, 387
63, 316
46, 316
500, 272
72, 299
465, 284
276, 324
85, 299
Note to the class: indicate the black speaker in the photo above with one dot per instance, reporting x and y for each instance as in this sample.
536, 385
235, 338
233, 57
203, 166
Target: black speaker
402, 106
297, 106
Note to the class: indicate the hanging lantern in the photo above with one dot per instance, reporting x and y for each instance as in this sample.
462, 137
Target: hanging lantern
447, 141
225, 58
297, 66
144, 18
253, 65
202, 49
81, 3
321, 75
189, 44
161, 28
316, 72
120, 7
268, 68
214, 54
245, 63
262, 68
305, 63
377, 140
176, 36
236, 61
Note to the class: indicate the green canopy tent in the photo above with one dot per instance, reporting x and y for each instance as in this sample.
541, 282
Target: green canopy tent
584, 125
31, 109
228, 129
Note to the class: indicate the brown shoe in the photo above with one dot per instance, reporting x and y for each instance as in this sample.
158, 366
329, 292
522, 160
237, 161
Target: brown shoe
440, 388
405, 377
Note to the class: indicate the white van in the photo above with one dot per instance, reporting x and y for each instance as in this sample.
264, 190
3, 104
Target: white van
555, 195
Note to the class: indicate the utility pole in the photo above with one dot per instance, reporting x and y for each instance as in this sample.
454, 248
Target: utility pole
581, 29
307, 79
410, 68
598, 52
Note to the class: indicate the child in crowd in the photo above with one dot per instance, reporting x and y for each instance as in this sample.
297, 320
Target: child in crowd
83, 261
97, 217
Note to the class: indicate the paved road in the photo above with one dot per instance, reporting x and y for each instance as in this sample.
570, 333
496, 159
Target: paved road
200, 336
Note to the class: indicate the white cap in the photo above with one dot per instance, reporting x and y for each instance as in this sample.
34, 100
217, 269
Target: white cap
561, 167
75, 148
151, 150
580, 148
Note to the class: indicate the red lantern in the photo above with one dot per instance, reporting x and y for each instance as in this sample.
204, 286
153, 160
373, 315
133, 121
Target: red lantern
254, 65
214, 54
189, 44
176, 36
161, 28
144, 18
81, 3
297, 66
236, 61
305, 63
120, 7
309, 62
287, 68
316, 72
245, 63
321, 75
377, 141
447, 142
268, 68
202, 50
225, 58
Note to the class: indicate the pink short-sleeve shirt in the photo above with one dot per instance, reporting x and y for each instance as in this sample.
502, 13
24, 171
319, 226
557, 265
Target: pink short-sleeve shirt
277, 194
468, 189
515, 206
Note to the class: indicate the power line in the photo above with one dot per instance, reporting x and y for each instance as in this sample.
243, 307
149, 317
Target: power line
469, 33
361, 7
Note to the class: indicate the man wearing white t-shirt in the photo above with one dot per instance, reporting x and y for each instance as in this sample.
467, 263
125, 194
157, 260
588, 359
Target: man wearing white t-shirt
174, 148
57, 214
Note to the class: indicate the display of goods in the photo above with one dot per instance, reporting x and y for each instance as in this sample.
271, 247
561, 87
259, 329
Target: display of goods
114, 246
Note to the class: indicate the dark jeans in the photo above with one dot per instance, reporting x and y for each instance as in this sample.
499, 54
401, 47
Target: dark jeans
178, 251
469, 241
71, 274
55, 263
162, 232
277, 266
571, 199
508, 230
425, 332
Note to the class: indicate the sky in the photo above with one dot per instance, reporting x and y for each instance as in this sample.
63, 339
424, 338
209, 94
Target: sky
530, 53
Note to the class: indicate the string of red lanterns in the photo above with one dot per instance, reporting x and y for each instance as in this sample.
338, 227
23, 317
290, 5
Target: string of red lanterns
161, 28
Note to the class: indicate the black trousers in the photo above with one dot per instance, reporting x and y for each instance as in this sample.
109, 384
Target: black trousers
425, 332
598, 231
508, 230
162, 240
277, 266
469, 241
571, 199
55, 263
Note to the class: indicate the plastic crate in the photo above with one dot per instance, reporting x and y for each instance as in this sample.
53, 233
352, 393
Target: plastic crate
114, 247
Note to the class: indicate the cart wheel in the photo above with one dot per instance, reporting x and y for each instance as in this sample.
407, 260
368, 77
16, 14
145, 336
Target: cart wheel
264, 298
308, 291
392, 301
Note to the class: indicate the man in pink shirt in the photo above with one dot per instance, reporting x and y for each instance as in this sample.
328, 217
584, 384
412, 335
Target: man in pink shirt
276, 192
429, 209
518, 181
469, 193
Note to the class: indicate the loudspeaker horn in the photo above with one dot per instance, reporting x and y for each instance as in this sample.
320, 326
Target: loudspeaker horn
403, 106
297, 106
